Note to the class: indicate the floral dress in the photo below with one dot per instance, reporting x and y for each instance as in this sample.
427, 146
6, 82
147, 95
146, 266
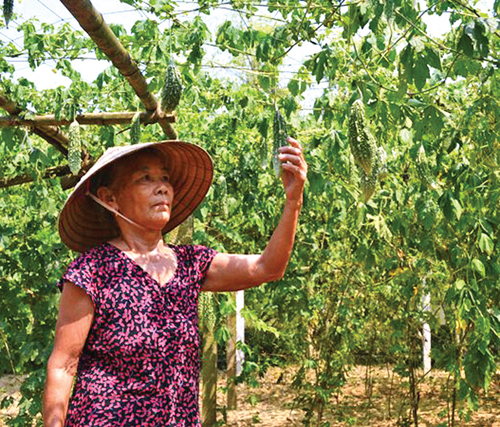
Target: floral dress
140, 364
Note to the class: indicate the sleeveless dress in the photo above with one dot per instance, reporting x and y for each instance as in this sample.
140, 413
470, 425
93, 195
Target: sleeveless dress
140, 363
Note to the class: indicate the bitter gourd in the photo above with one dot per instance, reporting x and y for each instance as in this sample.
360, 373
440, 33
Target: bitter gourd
8, 10
74, 147
206, 310
279, 138
361, 141
135, 128
368, 185
382, 171
423, 170
172, 89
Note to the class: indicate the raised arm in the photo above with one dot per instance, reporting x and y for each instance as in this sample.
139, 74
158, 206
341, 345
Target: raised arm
76, 313
231, 272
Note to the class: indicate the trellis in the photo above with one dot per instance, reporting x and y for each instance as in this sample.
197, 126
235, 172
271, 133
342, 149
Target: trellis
47, 127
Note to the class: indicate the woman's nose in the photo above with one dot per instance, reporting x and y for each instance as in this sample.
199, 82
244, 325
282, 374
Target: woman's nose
164, 187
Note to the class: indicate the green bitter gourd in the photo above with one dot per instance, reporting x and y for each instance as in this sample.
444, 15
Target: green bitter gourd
279, 138
8, 10
172, 89
362, 143
74, 147
135, 128
423, 170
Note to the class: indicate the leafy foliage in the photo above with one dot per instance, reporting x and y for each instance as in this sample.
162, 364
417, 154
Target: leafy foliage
354, 286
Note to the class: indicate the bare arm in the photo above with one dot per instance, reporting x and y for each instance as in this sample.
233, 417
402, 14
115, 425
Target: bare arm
76, 313
231, 272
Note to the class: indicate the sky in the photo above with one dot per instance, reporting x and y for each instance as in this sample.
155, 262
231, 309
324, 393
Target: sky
113, 11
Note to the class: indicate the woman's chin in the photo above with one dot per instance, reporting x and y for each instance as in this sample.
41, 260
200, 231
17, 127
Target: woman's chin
157, 223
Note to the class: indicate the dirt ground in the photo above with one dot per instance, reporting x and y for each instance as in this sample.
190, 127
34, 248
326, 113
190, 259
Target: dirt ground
373, 397
370, 398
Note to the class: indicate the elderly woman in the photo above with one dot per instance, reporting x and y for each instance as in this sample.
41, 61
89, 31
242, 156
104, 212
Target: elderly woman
127, 324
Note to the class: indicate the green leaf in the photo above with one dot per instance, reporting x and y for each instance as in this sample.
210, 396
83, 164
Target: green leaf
293, 87
420, 73
465, 45
486, 244
478, 266
457, 208
433, 58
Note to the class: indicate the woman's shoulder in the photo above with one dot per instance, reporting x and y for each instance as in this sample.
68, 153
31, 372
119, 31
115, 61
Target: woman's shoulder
95, 255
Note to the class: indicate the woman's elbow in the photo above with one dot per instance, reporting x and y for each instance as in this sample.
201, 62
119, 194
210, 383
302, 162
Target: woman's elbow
66, 363
274, 274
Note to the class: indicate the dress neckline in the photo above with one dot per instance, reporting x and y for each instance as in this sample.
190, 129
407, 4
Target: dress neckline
138, 266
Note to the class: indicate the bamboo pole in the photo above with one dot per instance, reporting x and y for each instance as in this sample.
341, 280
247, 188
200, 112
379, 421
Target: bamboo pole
83, 119
51, 134
102, 35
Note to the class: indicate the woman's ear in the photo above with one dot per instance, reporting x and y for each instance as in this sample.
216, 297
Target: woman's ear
107, 196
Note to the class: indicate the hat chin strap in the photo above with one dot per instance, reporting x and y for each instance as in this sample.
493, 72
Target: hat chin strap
113, 210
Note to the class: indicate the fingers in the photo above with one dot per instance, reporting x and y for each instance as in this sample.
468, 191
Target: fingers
291, 156
294, 142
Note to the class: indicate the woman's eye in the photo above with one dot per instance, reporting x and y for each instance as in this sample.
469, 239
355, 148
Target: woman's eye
166, 178
145, 178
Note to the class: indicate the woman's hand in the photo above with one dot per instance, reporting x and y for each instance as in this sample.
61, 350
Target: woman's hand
294, 170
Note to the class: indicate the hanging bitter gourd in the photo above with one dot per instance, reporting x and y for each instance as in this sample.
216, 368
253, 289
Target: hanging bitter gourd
74, 147
423, 170
172, 89
206, 310
382, 171
368, 185
8, 10
361, 141
135, 128
279, 138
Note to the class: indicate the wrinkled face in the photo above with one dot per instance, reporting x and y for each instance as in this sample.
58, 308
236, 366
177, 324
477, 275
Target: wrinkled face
141, 191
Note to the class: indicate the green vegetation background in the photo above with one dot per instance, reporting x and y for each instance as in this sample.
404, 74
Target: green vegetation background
354, 286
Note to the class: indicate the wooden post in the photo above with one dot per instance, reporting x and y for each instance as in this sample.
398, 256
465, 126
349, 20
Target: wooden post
231, 360
208, 376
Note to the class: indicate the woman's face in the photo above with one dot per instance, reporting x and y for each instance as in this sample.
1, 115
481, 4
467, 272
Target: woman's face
142, 191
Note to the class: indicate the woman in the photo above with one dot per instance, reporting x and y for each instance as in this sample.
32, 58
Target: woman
127, 324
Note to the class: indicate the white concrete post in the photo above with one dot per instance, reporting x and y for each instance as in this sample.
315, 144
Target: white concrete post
426, 331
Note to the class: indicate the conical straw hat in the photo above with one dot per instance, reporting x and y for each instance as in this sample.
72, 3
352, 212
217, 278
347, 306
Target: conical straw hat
82, 224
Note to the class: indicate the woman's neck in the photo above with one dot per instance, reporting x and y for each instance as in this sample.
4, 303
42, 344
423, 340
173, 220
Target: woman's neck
139, 241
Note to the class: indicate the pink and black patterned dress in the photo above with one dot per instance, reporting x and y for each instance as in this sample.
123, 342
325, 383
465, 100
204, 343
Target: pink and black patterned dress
140, 364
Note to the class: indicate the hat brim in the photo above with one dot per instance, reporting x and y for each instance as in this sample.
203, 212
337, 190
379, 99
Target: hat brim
190, 168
